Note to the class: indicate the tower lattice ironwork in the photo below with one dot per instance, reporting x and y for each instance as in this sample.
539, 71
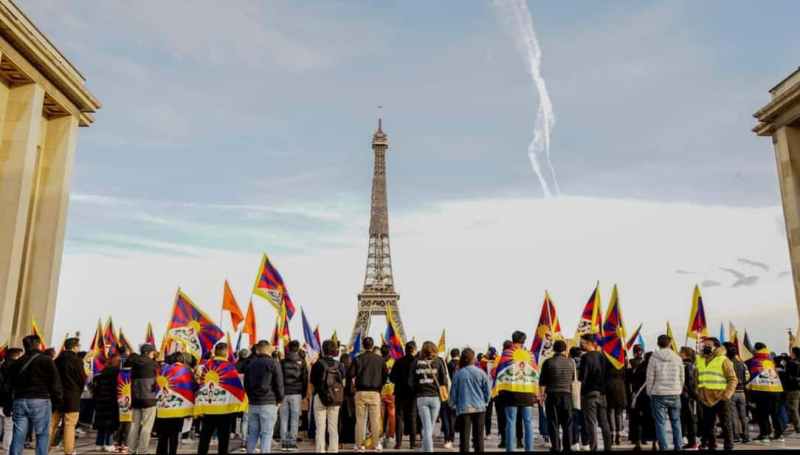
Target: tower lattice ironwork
378, 292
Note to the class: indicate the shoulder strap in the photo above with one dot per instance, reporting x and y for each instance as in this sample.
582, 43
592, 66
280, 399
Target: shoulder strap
27, 364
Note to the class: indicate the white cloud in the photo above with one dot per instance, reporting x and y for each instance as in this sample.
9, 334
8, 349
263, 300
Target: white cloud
479, 268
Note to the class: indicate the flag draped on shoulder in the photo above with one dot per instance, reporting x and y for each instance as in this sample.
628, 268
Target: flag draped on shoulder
176, 389
633, 339
515, 372
220, 390
698, 325
269, 285
229, 304
392, 336
249, 326
763, 375
548, 330
124, 396
613, 334
191, 328
312, 343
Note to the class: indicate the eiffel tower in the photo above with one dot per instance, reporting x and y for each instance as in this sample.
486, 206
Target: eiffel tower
378, 293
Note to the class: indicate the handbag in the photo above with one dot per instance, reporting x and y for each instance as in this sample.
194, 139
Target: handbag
444, 392
575, 388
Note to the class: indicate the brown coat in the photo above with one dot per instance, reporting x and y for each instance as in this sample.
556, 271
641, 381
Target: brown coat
711, 397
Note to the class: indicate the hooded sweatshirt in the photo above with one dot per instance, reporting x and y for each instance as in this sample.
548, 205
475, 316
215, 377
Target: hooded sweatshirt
665, 373
711, 397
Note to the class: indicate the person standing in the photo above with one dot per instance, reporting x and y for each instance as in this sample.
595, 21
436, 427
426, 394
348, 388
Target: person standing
793, 388
106, 406
765, 390
73, 379
738, 403
7, 429
665, 377
218, 404
517, 386
387, 400
405, 403
642, 429
327, 380
295, 386
369, 373
716, 385
36, 388
487, 365
470, 394
172, 407
555, 387
144, 371
263, 383
689, 398
593, 374
428, 375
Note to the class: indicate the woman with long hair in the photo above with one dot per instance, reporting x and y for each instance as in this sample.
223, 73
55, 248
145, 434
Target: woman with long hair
428, 377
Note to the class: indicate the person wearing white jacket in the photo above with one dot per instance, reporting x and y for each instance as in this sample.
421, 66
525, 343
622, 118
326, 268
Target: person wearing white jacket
665, 376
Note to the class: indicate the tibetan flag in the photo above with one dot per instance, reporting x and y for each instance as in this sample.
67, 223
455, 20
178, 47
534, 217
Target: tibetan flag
175, 396
516, 372
613, 335
633, 339
591, 318
192, 328
220, 390
311, 341
283, 326
229, 304
110, 337
276, 339
123, 342
356, 348
764, 376
392, 337
317, 337
269, 285
698, 327
547, 331
250, 324
95, 359
335, 338
672, 343
35, 331
745, 348
149, 336
124, 396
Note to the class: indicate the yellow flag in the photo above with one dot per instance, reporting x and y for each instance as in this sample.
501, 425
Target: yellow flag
442, 348
672, 343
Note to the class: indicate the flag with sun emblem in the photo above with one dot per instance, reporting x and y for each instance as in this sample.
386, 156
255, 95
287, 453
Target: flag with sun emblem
220, 390
175, 391
124, 396
516, 372
191, 328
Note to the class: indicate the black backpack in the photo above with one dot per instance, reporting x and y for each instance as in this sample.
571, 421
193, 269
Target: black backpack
332, 391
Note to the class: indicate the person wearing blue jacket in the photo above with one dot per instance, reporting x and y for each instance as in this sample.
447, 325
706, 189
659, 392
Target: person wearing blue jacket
469, 396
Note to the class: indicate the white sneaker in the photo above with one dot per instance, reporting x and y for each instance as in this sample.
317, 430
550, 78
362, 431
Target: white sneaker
576, 447
585, 448
379, 447
108, 449
448, 445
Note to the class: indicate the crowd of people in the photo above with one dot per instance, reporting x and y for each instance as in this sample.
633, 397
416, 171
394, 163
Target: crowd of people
687, 398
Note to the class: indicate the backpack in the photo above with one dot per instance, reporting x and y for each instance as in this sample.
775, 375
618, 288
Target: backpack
332, 391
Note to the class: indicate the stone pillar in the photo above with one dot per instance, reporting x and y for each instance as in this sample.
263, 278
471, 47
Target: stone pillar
787, 154
37, 298
20, 120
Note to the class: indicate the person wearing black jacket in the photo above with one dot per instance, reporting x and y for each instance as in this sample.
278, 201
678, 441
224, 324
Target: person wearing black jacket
428, 374
593, 374
73, 379
106, 407
689, 398
555, 386
295, 386
263, 383
370, 374
792, 388
12, 354
405, 404
36, 385
326, 416
144, 371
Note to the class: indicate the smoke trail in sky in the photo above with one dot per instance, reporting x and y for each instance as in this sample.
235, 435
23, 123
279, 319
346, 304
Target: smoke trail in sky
516, 13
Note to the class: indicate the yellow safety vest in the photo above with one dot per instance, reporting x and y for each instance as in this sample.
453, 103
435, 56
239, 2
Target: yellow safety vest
710, 375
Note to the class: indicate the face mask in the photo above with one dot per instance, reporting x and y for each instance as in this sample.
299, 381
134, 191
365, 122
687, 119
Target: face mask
707, 350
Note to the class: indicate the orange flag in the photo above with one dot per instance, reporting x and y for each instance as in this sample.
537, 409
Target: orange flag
229, 304
250, 324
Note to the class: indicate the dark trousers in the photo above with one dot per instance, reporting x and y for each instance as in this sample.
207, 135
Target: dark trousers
405, 411
488, 420
448, 417
689, 419
767, 408
222, 424
558, 407
471, 423
168, 432
710, 414
594, 413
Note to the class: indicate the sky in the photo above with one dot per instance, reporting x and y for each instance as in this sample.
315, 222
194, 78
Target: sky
229, 131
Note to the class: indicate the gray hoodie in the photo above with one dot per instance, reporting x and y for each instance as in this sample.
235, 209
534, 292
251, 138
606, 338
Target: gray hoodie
665, 374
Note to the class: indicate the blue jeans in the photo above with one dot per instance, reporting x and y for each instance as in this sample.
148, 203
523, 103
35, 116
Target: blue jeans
290, 419
261, 423
35, 412
428, 409
665, 406
511, 427
103, 438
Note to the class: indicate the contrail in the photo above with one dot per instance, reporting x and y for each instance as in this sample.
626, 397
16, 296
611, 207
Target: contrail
516, 12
